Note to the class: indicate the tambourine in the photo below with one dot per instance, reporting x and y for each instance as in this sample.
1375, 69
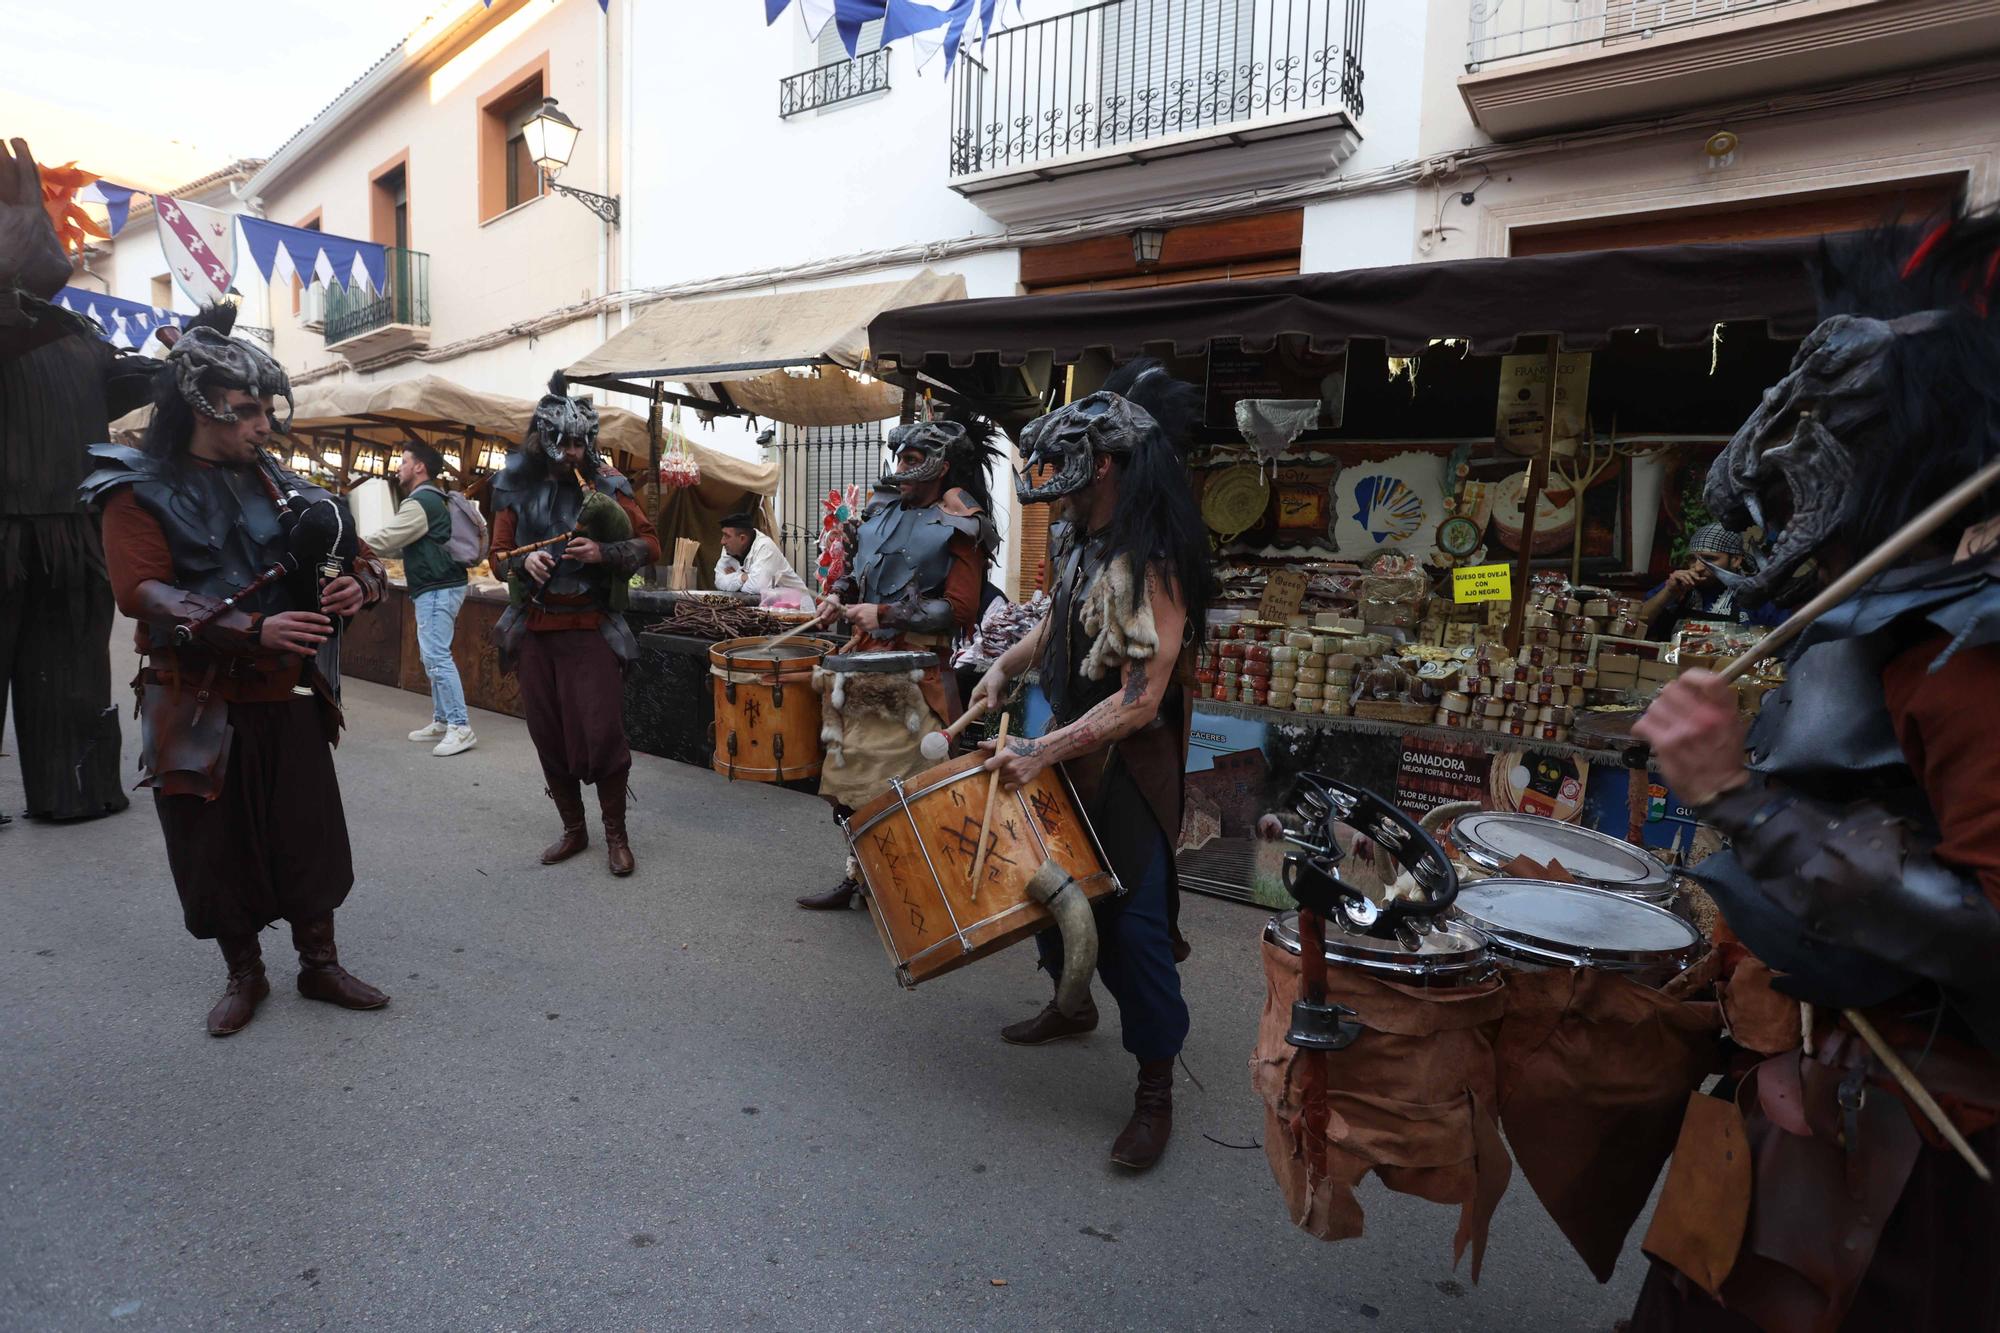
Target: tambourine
1312, 874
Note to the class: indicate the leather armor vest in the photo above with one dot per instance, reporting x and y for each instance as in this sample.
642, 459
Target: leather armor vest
549, 508
221, 525
902, 548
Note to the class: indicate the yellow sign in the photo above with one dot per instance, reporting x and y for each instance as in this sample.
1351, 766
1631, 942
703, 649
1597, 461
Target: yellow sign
1482, 583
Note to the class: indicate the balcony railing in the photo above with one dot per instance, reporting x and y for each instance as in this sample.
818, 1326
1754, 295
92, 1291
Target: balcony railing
1503, 29
1129, 71
830, 85
354, 310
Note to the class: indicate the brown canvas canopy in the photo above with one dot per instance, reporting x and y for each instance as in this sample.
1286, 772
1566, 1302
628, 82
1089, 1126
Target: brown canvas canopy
465, 423
1682, 291
788, 355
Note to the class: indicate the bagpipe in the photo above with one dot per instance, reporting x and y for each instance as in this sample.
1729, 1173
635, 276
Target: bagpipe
599, 519
320, 546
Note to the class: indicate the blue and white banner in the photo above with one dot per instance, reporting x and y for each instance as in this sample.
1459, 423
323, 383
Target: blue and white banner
930, 25
115, 199
282, 252
125, 323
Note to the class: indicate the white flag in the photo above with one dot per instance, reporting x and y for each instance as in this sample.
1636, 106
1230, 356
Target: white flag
200, 246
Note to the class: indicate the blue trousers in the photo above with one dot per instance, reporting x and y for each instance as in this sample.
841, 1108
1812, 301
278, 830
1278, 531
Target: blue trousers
1135, 960
437, 618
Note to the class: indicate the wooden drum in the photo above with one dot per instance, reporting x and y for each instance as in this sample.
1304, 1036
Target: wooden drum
916, 845
766, 713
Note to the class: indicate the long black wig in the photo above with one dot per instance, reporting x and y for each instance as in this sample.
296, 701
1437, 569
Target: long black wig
1157, 525
1939, 384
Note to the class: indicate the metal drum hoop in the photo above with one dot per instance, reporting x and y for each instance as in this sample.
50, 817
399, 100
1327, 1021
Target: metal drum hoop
1474, 964
1654, 882
888, 661
1516, 942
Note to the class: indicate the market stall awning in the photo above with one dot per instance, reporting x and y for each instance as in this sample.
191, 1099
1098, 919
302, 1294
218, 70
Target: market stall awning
435, 409
1680, 291
785, 355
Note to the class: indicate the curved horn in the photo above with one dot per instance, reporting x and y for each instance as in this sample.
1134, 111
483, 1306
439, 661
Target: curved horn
1055, 889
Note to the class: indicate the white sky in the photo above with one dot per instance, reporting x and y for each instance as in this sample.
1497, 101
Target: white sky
231, 78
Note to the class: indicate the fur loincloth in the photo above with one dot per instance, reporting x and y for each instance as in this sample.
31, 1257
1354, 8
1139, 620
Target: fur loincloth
853, 698
1123, 632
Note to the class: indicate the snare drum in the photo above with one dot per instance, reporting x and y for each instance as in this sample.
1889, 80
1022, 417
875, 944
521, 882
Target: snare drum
1491, 839
767, 719
1536, 924
916, 846
1450, 955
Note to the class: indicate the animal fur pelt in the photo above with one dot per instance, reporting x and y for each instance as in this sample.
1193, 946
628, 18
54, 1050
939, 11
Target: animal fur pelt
890, 696
1123, 632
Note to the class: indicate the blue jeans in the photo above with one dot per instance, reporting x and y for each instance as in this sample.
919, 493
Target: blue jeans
437, 617
1135, 961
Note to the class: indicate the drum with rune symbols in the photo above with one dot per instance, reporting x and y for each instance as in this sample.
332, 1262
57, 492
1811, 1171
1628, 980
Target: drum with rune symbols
916, 845
767, 717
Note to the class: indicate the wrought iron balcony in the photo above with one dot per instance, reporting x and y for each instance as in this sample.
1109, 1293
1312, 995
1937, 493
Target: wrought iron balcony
369, 323
1133, 81
1533, 66
830, 85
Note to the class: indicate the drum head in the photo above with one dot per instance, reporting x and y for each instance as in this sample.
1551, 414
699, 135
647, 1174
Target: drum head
890, 661
1492, 838
1573, 924
1449, 951
783, 652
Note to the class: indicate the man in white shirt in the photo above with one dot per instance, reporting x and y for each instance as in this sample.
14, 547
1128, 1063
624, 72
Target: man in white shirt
752, 562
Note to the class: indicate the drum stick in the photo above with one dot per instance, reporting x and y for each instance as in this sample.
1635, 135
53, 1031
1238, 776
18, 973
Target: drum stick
992, 790
797, 629
937, 745
1919, 1094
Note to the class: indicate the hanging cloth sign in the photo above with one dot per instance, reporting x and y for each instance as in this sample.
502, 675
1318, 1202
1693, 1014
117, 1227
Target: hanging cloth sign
282, 252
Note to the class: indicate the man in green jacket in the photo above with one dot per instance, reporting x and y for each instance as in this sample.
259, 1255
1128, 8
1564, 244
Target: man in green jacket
421, 529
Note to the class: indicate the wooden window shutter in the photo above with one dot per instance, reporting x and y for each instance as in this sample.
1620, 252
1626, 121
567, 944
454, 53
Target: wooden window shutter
1031, 547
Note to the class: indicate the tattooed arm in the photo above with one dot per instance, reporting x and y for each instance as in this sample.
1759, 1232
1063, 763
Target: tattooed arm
1145, 684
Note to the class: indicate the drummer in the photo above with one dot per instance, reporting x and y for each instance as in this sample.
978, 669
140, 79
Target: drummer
1131, 593
913, 585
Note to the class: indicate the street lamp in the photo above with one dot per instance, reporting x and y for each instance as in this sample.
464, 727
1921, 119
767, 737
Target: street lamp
1147, 242
551, 138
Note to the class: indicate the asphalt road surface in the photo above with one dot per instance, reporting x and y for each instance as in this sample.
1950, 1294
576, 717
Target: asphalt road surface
672, 1101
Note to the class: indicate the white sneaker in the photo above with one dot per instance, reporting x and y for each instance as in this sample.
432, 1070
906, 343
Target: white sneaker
432, 731
457, 740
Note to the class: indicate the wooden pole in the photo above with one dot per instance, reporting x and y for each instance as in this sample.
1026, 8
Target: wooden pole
1531, 497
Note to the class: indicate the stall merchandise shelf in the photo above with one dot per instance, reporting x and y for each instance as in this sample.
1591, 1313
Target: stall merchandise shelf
1326, 722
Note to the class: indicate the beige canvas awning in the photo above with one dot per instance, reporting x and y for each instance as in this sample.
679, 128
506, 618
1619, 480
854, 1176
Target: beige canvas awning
788, 356
441, 413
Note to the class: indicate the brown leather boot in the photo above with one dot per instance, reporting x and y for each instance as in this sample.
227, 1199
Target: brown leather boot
247, 986
568, 797
611, 805
321, 977
834, 899
1052, 1024
1145, 1135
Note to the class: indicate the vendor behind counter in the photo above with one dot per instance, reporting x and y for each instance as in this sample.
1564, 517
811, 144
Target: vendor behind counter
1697, 593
